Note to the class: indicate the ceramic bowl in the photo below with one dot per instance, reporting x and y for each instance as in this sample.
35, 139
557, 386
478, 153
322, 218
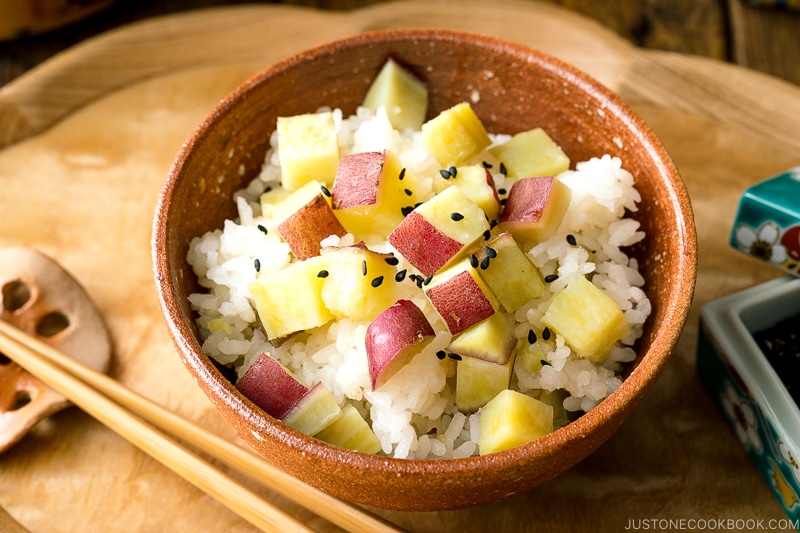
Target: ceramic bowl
511, 88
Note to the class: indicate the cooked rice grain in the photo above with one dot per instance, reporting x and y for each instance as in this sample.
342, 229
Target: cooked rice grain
414, 414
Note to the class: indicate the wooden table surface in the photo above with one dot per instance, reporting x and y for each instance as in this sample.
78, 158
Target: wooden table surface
745, 32
86, 139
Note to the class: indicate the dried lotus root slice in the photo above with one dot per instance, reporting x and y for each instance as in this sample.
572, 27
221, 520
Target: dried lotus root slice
44, 300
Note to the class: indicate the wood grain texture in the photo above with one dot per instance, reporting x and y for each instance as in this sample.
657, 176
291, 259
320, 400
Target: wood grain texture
684, 26
687, 26
31, 17
763, 39
87, 71
766, 40
97, 128
717, 91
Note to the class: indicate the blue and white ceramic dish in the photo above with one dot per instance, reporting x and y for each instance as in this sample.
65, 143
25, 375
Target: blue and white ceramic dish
767, 224
746, 387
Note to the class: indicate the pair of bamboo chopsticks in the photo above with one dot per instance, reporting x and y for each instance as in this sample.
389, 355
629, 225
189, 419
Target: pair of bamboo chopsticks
147, 425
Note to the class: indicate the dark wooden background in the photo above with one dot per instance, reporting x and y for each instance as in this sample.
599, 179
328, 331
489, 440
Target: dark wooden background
752, 33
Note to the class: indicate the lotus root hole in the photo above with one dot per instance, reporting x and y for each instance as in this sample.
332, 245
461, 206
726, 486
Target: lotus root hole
15, 295
21, 399
52, 324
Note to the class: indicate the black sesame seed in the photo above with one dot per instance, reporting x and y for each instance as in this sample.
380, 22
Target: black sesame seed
400, 276
325, 191
473, 261
493, 224
408, 192
262, 229
503, 201
322, 274
441, 354
485, 262
393, 261
406, 210
487, 235
453, 171
257, 264
420, 280
571, 240
456, 217
503, 169
491, 252
546, 334
417, 204
486, 164
550, 278
454, 356
376, 282
531, 336
402, 174
501, 190
428, 280
364, 267
444, 173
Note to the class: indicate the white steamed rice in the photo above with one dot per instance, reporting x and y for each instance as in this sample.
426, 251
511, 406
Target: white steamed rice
414, 414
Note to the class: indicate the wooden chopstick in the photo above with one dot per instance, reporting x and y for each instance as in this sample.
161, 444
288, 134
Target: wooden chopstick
9, 525
185, 463
112, 404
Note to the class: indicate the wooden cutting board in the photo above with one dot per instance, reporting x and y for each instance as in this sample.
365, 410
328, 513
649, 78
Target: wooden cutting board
85, 143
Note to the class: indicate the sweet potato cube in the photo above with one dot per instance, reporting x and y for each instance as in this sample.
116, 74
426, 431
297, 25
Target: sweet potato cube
478, 381
314, 412
588, 319
305, 228
461, 297
290, 299
438, 231
401, 94
477, 184
308, 149
534, 209
359, 283
455, 135
530, 154
509, 272
492, 339
371, 191
396, 335
352, 432
512, 419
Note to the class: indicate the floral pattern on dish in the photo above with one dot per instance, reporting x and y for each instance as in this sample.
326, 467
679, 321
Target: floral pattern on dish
742, 416
763, 243
767, 224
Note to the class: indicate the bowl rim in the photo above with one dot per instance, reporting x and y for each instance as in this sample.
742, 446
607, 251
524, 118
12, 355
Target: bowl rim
623, 399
